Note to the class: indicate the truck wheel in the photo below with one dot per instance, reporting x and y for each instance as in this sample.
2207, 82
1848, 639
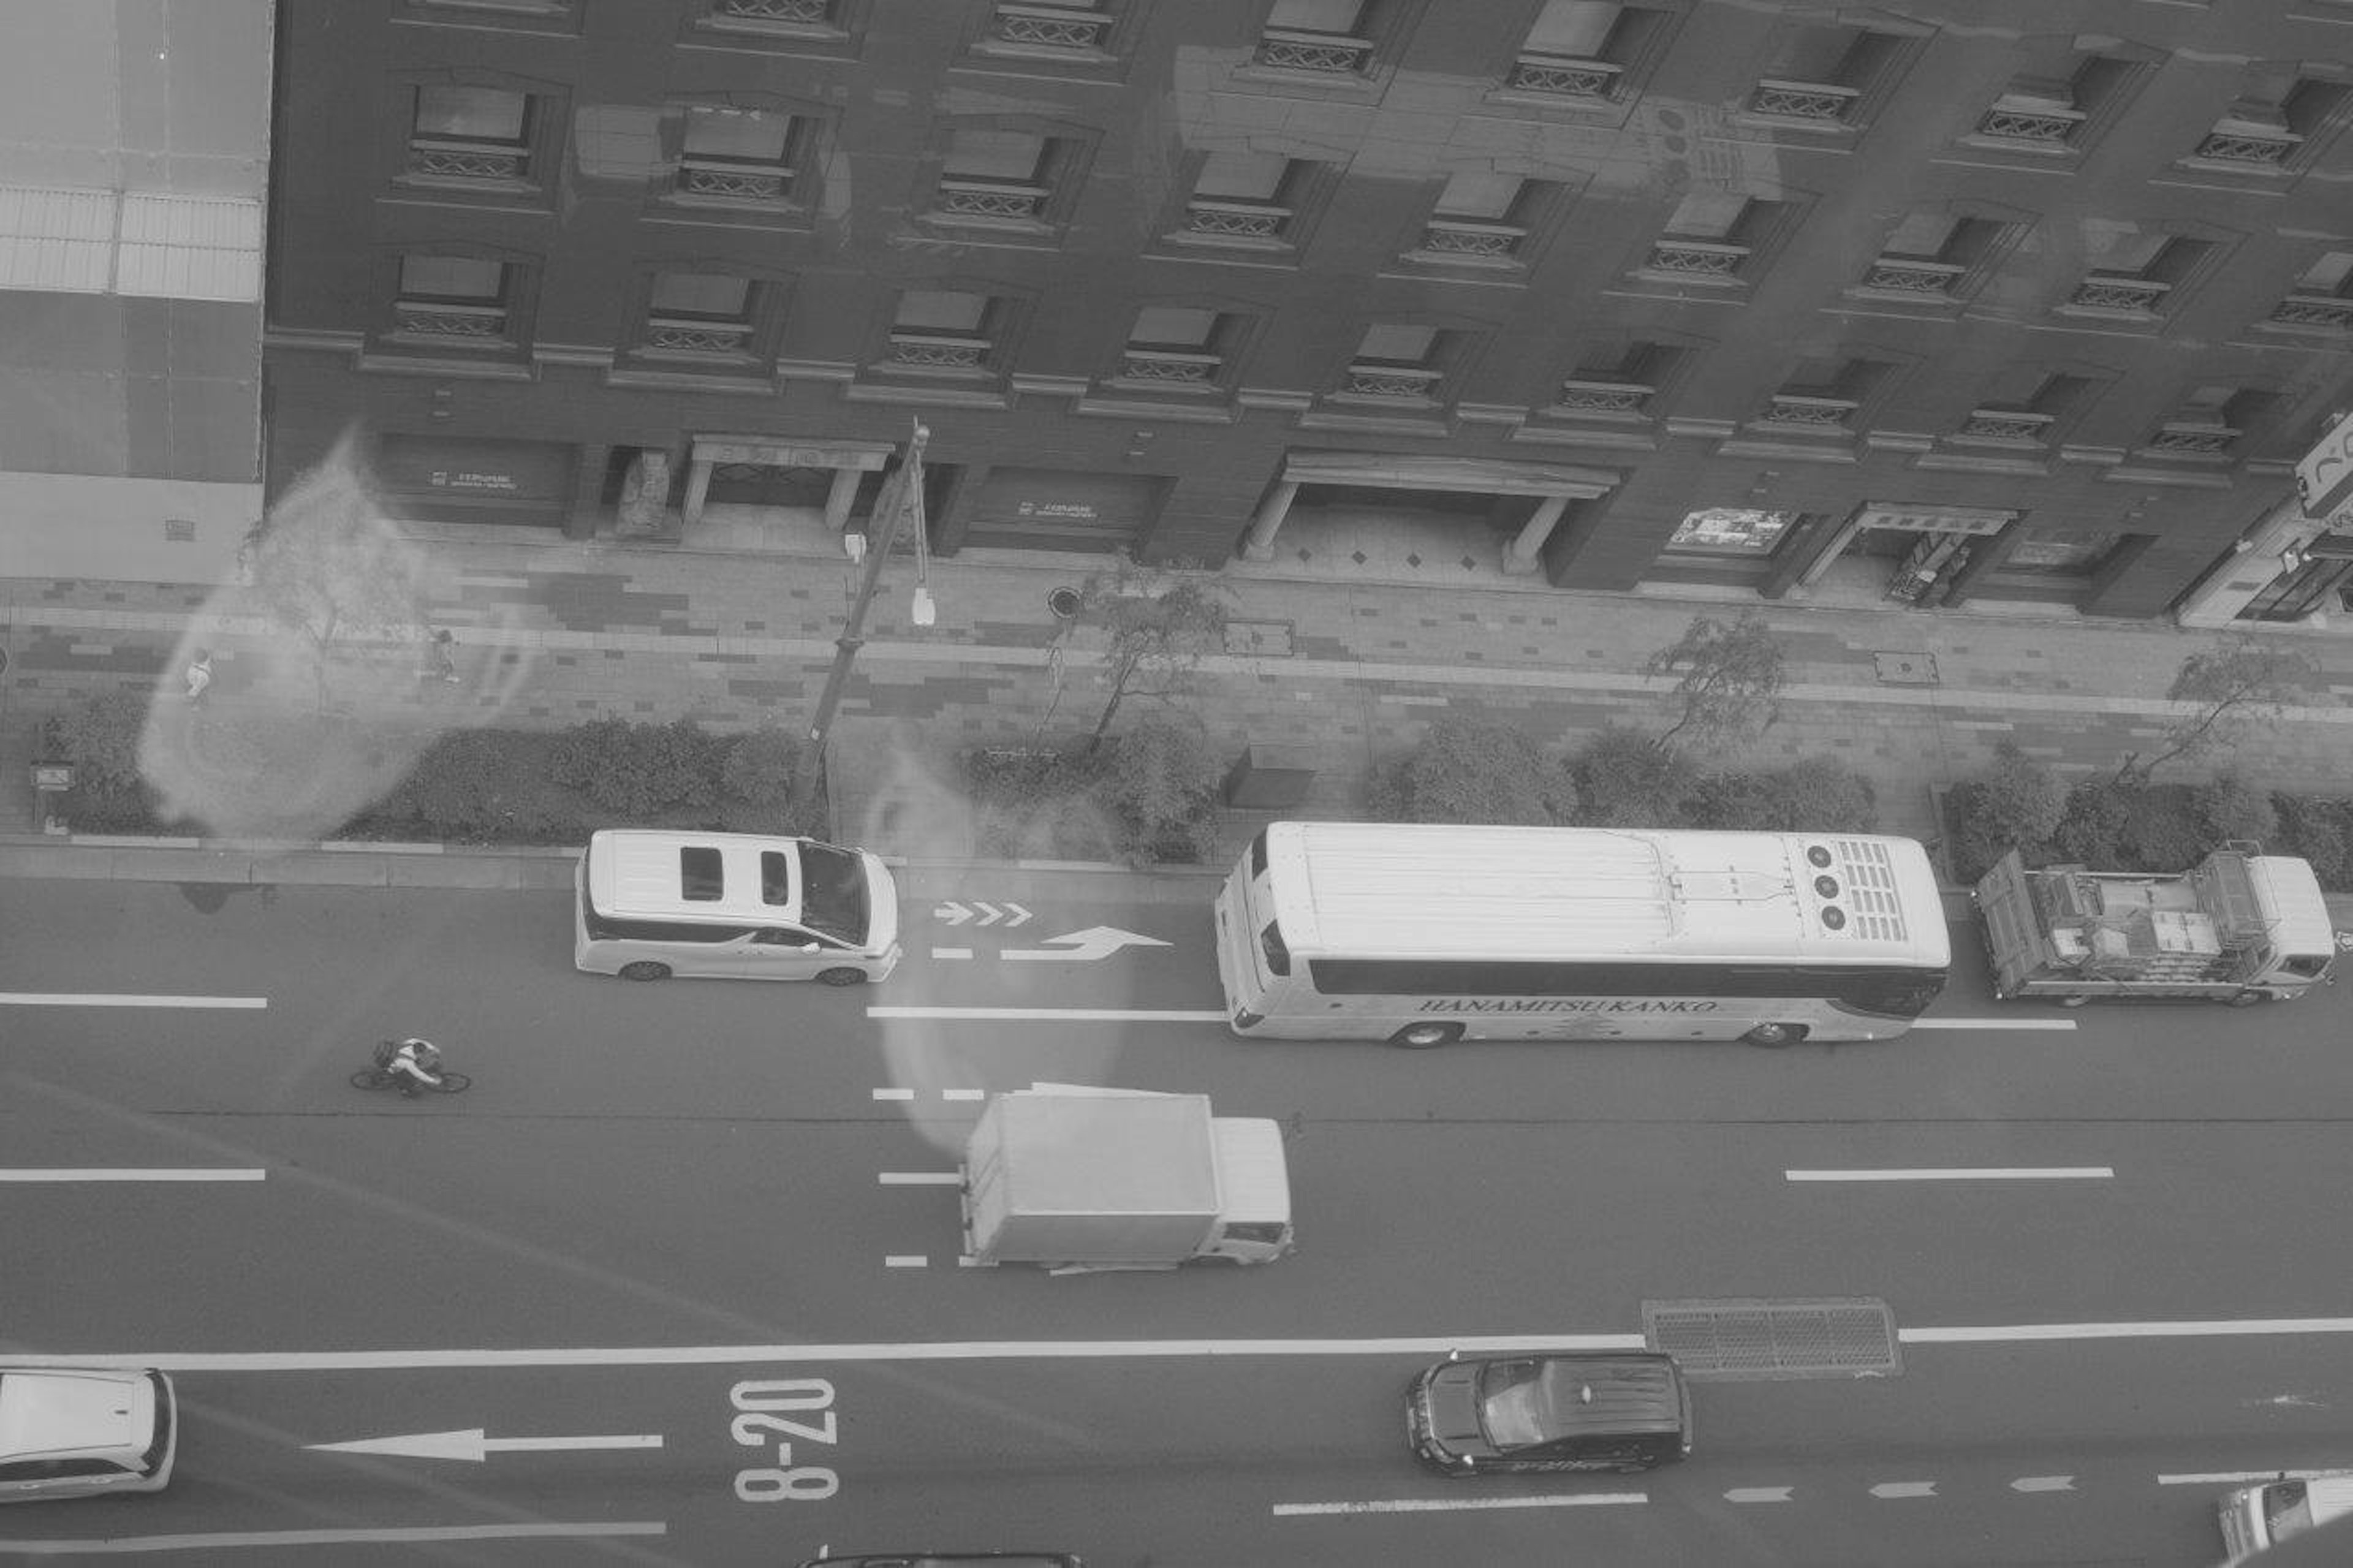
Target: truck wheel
2246, 998
1775, 1035
1422, 1037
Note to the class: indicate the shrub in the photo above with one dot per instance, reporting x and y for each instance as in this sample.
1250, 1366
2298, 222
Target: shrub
639, 770
2315, 829
2230, 807
1160, 785
1468, 769
1624, 780
2095, 824
100, 737
759, 767
481, 786
1731, 801
2164, 831
1037, 802
1820, 794
2016, 803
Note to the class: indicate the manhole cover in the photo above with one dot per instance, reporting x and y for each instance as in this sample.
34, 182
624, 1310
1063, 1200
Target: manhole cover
1905, 668
1851, 1336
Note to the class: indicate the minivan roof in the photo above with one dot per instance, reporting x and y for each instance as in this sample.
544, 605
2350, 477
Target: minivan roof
642, 873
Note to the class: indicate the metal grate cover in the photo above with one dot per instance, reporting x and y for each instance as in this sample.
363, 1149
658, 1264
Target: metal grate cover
1735, 1337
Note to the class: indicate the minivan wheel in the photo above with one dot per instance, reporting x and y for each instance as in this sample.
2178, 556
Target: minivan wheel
1775, 1035
2246, 998
1422, 1037
841, 978
645, 969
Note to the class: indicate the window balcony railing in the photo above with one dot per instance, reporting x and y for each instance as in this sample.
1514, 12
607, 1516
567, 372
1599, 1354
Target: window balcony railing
1328, 54
763, 184
1563, 76
442, 160
932, 351
449, 322
1470, 239
2015, 427
1821, 102
1394, 382
668, 334
1907, 275
1216, 219
2036, 127
2201, 440
2133, 296
1698, 258
1001, 201
2313, 311
799, 12
1605, 396
2251, 150
1049, 27
1803, 412
1169, 367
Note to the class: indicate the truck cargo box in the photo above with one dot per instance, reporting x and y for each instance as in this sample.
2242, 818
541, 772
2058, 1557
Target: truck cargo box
1090, 1178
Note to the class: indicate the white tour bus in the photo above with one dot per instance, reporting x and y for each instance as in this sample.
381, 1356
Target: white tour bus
650, 904
1421, 934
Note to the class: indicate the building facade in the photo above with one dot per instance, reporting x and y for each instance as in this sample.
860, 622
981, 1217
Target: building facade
2018, 299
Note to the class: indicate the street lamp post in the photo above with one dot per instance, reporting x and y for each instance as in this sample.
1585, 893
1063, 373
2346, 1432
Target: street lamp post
901, 494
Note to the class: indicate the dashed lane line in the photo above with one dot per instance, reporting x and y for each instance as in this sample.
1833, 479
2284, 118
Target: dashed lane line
1055, 1015
121, 999
1993, 1023
1960, 1173
157, 1173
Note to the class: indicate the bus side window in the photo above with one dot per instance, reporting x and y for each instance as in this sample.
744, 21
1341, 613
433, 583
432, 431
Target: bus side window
1278, 953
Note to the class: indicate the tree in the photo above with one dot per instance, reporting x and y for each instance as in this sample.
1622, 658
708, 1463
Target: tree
1730, 680
1154, 640
1474, 769
2238, 685
326, 566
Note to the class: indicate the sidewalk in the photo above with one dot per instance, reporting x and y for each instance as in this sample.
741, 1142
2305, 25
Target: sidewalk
1345, 652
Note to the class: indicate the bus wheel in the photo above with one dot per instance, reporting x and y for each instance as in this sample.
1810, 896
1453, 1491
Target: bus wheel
1775, 1034
2246, 998
645, 969
841, 978
1422, 1037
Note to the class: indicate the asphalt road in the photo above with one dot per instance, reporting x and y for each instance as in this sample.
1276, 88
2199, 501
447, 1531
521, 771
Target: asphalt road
668, 1218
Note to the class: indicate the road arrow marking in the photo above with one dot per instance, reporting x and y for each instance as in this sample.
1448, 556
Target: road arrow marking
475, 1447
1021, 916
1758, 1494
1095, 942
1904, 1489
2043, 1484
954, 914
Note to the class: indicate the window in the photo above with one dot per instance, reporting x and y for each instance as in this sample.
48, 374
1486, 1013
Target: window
1899, 992
822, 16
2211, 422
1320, 35
775, 877
1584, 50
995, 177
943, 330
702, 314
2056, 113
1710, 237
2322, 300
469, 134
1244, 199
1396, 362
2272, 134
740, 156
1824, 395
1481, 218
1935, 256
2072, 552
1174, 346
1049, 26
2139, 276
1619, 379
454, 299
1822, 76
2030, 419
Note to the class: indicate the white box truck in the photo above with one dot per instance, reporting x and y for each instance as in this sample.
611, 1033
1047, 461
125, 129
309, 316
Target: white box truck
2255, 1516
2237, 927
1078, 1180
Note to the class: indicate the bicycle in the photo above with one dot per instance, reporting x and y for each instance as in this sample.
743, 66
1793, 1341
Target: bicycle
377, 1077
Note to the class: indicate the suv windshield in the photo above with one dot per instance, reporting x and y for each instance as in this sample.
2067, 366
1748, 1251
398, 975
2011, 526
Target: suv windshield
833, 892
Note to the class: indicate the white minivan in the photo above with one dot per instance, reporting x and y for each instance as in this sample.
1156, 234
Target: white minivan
651, 904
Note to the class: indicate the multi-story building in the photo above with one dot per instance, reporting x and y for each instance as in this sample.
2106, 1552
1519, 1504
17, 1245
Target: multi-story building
2033, 299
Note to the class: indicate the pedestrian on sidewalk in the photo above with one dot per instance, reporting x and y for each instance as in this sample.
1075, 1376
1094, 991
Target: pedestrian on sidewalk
437, 660
200, 675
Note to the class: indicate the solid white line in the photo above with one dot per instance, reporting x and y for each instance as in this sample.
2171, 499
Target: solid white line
1961, 1173
121, 999
919, 1178
125, 1544
1449, 1505
1993, 1023
964, 1094
906, 1261
2225, 1478
2191, 1329
156, 1173
894, 1094
1051, 1015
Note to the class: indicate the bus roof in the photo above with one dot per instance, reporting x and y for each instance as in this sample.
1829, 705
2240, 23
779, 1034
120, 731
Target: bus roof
1426, 891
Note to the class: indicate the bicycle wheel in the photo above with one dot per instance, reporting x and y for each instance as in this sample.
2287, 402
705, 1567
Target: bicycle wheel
455, 1083
370, 1077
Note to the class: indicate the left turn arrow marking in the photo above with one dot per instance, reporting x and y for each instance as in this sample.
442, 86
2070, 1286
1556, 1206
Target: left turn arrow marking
476, 1446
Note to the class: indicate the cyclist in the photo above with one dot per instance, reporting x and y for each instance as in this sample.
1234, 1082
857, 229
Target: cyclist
412, 1063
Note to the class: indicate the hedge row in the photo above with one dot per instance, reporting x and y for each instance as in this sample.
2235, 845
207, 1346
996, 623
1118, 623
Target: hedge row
1146, 796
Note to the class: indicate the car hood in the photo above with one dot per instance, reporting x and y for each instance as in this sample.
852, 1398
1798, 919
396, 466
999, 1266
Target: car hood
55, 1412
1450, 1402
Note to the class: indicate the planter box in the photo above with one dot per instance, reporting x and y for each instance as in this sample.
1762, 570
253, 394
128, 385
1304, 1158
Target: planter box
1269, 778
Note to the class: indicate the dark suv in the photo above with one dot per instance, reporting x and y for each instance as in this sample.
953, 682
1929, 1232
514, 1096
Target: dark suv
1612, 1411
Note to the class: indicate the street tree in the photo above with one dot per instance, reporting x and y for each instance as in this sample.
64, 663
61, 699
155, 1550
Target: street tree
1728, 677
327, 566
2236, 688
1154, 637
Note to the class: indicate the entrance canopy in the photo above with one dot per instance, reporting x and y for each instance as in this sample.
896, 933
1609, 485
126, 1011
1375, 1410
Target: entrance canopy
1396, 471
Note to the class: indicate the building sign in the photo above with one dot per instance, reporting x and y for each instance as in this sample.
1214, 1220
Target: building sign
2324, 481
1731, 531
528, 474
1941, 520
1056, 509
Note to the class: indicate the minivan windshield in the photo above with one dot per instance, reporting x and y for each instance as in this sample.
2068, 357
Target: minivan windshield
833, 893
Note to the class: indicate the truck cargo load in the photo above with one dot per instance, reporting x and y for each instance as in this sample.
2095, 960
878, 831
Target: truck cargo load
2239, 927
1076, 1179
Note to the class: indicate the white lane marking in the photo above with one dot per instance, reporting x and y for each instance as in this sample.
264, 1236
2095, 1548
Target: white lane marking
1961, 1173
951, 952
2043, 1484
134, 1174
1094, 942
1758, 1494
894, 1094
476, 1446
1103, 1349
1903, 1489
2225, 1478
1449, 1505
121, 999
1052, 1014
906, 1261
919, 1178
1993, 1023
127, 1544
964, 1094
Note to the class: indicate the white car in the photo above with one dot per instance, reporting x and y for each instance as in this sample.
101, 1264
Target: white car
68, 1432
